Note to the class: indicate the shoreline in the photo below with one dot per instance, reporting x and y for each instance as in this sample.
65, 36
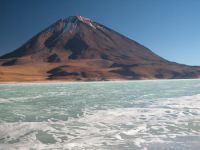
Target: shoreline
27, 82
64, 81
74, 81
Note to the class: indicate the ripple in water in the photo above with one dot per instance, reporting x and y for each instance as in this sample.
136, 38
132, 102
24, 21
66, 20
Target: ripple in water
144, 115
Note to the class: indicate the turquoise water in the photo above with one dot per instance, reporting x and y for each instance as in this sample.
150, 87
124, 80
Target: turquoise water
123, 115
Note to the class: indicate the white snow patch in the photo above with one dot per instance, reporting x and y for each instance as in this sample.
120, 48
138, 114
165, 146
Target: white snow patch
86, 21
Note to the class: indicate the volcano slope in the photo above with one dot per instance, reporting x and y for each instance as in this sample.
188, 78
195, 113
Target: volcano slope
79, 49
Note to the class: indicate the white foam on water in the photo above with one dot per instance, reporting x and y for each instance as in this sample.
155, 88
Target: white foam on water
141, 128
163, 122
19, 99
4, 100
21, 135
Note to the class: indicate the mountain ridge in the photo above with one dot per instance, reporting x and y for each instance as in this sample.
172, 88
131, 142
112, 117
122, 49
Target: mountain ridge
77, 48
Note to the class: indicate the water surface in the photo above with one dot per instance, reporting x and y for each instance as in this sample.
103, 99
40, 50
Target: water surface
123, 115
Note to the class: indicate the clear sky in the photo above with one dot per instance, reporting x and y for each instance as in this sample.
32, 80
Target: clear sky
170, 28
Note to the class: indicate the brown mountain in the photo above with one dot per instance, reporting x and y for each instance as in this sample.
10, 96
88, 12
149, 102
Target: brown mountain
78, 48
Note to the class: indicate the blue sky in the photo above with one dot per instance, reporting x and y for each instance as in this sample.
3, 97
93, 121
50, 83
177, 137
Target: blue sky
170, 28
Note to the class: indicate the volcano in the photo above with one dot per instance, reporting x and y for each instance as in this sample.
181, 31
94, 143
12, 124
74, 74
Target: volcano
79, 49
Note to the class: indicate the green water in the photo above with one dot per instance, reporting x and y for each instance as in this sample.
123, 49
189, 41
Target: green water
123, 115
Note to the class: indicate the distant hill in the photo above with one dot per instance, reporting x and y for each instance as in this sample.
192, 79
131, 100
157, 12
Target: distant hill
79, 49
